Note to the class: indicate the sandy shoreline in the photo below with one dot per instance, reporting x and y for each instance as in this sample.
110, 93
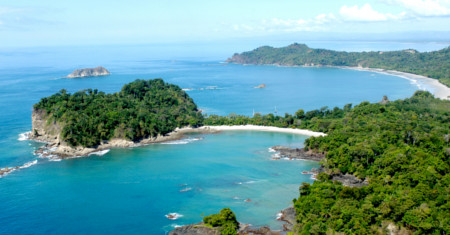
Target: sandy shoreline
432, 85
263, 128
55, 150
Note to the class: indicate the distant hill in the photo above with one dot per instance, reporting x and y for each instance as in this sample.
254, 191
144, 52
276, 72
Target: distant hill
434, 64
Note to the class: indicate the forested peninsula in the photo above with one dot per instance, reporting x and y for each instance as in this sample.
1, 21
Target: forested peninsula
87, 119
400, 148
435, 64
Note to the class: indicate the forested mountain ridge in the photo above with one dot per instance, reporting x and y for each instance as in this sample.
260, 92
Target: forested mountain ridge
143, 108
435, 64
401, 148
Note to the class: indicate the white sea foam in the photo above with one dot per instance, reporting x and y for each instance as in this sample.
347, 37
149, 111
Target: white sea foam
203, 88
24, 136
276, 156
279, 215
12, 169
185, 189
173, 216
250, 182
100, 153
271, 150
182, 141
28, 164
73, 157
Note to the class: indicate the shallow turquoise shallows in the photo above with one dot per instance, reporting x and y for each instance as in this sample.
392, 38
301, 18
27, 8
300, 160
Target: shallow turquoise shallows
129, 191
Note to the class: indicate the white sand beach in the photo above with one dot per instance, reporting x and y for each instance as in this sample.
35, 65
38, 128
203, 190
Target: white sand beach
432, 85
262, 128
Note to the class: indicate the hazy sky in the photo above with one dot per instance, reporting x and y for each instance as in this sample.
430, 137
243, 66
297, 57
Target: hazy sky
80, 22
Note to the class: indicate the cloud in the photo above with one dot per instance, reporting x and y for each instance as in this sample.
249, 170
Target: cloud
13, 18
365, 13
288, 25
424, 7
321, 22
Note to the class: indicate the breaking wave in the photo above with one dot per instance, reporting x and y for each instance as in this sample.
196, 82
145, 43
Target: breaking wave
24, 136
173, 216
100, 153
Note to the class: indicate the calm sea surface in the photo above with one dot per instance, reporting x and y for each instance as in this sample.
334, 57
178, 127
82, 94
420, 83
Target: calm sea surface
131, 190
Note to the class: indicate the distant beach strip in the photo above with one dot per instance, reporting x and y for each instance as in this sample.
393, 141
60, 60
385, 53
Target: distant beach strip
263, 128
438, 89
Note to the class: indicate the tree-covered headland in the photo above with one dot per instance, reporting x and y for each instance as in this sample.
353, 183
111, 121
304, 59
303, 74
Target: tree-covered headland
225, 221
142, 109
401, 148
435, 64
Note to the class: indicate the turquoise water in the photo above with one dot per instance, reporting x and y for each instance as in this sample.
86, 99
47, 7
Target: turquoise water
131, 190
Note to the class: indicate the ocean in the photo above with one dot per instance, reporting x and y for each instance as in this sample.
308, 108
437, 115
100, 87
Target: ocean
129, 191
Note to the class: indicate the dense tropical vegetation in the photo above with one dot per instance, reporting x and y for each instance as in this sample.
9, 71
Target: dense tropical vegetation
401, 148
143, 108
225, 221
435, 64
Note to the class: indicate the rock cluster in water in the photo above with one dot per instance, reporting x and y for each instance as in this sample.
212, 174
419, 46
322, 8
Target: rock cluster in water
261, 86
89, 72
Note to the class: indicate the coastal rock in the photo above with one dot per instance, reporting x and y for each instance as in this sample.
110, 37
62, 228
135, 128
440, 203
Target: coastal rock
385, 100
7, 170
288, 215
89, 72
43, 128
265, 230
350, 180
194, 229
298, 153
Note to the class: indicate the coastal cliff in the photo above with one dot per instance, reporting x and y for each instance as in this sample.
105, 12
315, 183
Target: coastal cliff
89, 72
44, 128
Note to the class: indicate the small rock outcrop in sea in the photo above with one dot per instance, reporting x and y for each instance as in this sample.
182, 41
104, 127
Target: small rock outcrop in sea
297, 153
89, 72
261, 86
385, 100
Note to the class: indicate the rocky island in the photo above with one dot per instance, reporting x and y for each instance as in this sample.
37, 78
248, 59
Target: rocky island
89, 72
144, 111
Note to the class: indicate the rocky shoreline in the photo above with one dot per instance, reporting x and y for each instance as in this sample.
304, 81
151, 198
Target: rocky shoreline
287, 215
59, 150
297, 153
301, 154
46, 129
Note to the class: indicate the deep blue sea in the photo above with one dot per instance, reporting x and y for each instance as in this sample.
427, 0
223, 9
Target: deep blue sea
129, 191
